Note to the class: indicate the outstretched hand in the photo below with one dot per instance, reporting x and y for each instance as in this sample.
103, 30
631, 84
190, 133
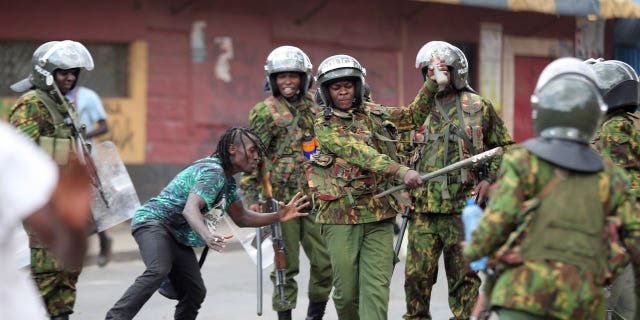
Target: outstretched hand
291, 210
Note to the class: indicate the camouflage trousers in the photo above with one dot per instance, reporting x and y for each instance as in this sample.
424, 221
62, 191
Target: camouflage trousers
429, 236
362, 260
306, 232
57, 286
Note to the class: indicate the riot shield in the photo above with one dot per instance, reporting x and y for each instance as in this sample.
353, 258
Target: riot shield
118, 200
621, 302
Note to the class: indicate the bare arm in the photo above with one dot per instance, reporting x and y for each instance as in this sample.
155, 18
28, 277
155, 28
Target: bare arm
244, 217
192, 213
101, 129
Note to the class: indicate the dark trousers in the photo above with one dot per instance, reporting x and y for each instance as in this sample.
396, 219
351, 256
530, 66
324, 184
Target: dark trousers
163, 256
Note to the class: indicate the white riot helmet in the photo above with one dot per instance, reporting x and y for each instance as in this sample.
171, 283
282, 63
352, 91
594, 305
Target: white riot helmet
452, 56
51, 56
288, 59
336, 68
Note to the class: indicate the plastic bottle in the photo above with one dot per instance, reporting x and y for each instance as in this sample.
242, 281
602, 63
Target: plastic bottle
471, 218
441, 77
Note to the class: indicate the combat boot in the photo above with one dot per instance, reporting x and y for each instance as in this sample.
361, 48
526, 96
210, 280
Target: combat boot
284, 315
316, 310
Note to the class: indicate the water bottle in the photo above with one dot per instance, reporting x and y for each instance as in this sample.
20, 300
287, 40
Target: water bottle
441, 77
471, 218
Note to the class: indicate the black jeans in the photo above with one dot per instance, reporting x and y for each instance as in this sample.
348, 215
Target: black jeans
162, 256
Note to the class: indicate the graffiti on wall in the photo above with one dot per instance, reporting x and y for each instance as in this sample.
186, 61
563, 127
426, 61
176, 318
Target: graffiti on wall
122, 130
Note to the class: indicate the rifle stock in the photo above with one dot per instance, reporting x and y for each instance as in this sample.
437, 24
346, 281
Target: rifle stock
469, 162
272, 205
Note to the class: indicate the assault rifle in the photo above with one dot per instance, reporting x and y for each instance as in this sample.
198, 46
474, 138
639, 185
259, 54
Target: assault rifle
473, 161
272, 205
82, 148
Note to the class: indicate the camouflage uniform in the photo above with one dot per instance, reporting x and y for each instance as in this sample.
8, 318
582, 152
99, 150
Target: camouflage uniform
357, 159
56, 284
436, 227
281, 126
550, 288
619, 141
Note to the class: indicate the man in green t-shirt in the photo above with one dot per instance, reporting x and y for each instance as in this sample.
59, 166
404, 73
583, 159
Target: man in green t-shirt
185, 215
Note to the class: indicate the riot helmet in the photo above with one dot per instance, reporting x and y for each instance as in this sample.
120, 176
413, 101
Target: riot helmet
618, 84
288, 59
454, 58
340, 67
51, 56
567, 108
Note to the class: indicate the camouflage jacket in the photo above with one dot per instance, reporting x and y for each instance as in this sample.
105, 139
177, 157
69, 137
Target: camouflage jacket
547, 287
619, 140
357, 159
30, 115
281, 125
483, 128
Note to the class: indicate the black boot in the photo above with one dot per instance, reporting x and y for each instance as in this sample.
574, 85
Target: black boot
64, 317
284, 315
316, 310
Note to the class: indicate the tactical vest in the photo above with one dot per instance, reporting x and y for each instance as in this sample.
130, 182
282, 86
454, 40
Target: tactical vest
289, 154
60, 145
568, 226
331, 178
469, 139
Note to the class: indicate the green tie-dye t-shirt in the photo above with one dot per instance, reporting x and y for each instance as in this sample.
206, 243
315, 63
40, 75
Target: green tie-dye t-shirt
205, 178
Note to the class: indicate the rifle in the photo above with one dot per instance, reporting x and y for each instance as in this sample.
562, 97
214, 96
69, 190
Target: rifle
406, 216
473, 161
272, 205
82, 148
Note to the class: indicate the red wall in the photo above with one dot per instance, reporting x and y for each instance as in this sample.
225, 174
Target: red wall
189, 108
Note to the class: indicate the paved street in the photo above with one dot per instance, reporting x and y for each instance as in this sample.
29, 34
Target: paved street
230, 279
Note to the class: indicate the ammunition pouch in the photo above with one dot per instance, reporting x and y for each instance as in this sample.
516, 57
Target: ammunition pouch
58, 148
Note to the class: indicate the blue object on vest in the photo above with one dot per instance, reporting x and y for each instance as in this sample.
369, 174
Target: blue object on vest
471, 215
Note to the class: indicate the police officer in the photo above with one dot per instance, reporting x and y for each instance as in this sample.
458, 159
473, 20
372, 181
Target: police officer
619, 141
284, 123
461, 125
357, 159
545, 220
44, 114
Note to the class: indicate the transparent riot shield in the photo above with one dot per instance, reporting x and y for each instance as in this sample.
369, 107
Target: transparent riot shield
118, 200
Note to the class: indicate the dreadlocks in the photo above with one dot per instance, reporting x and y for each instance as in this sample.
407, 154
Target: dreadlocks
234, 136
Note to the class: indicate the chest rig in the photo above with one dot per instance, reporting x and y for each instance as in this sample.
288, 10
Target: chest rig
59, 145
466, 135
